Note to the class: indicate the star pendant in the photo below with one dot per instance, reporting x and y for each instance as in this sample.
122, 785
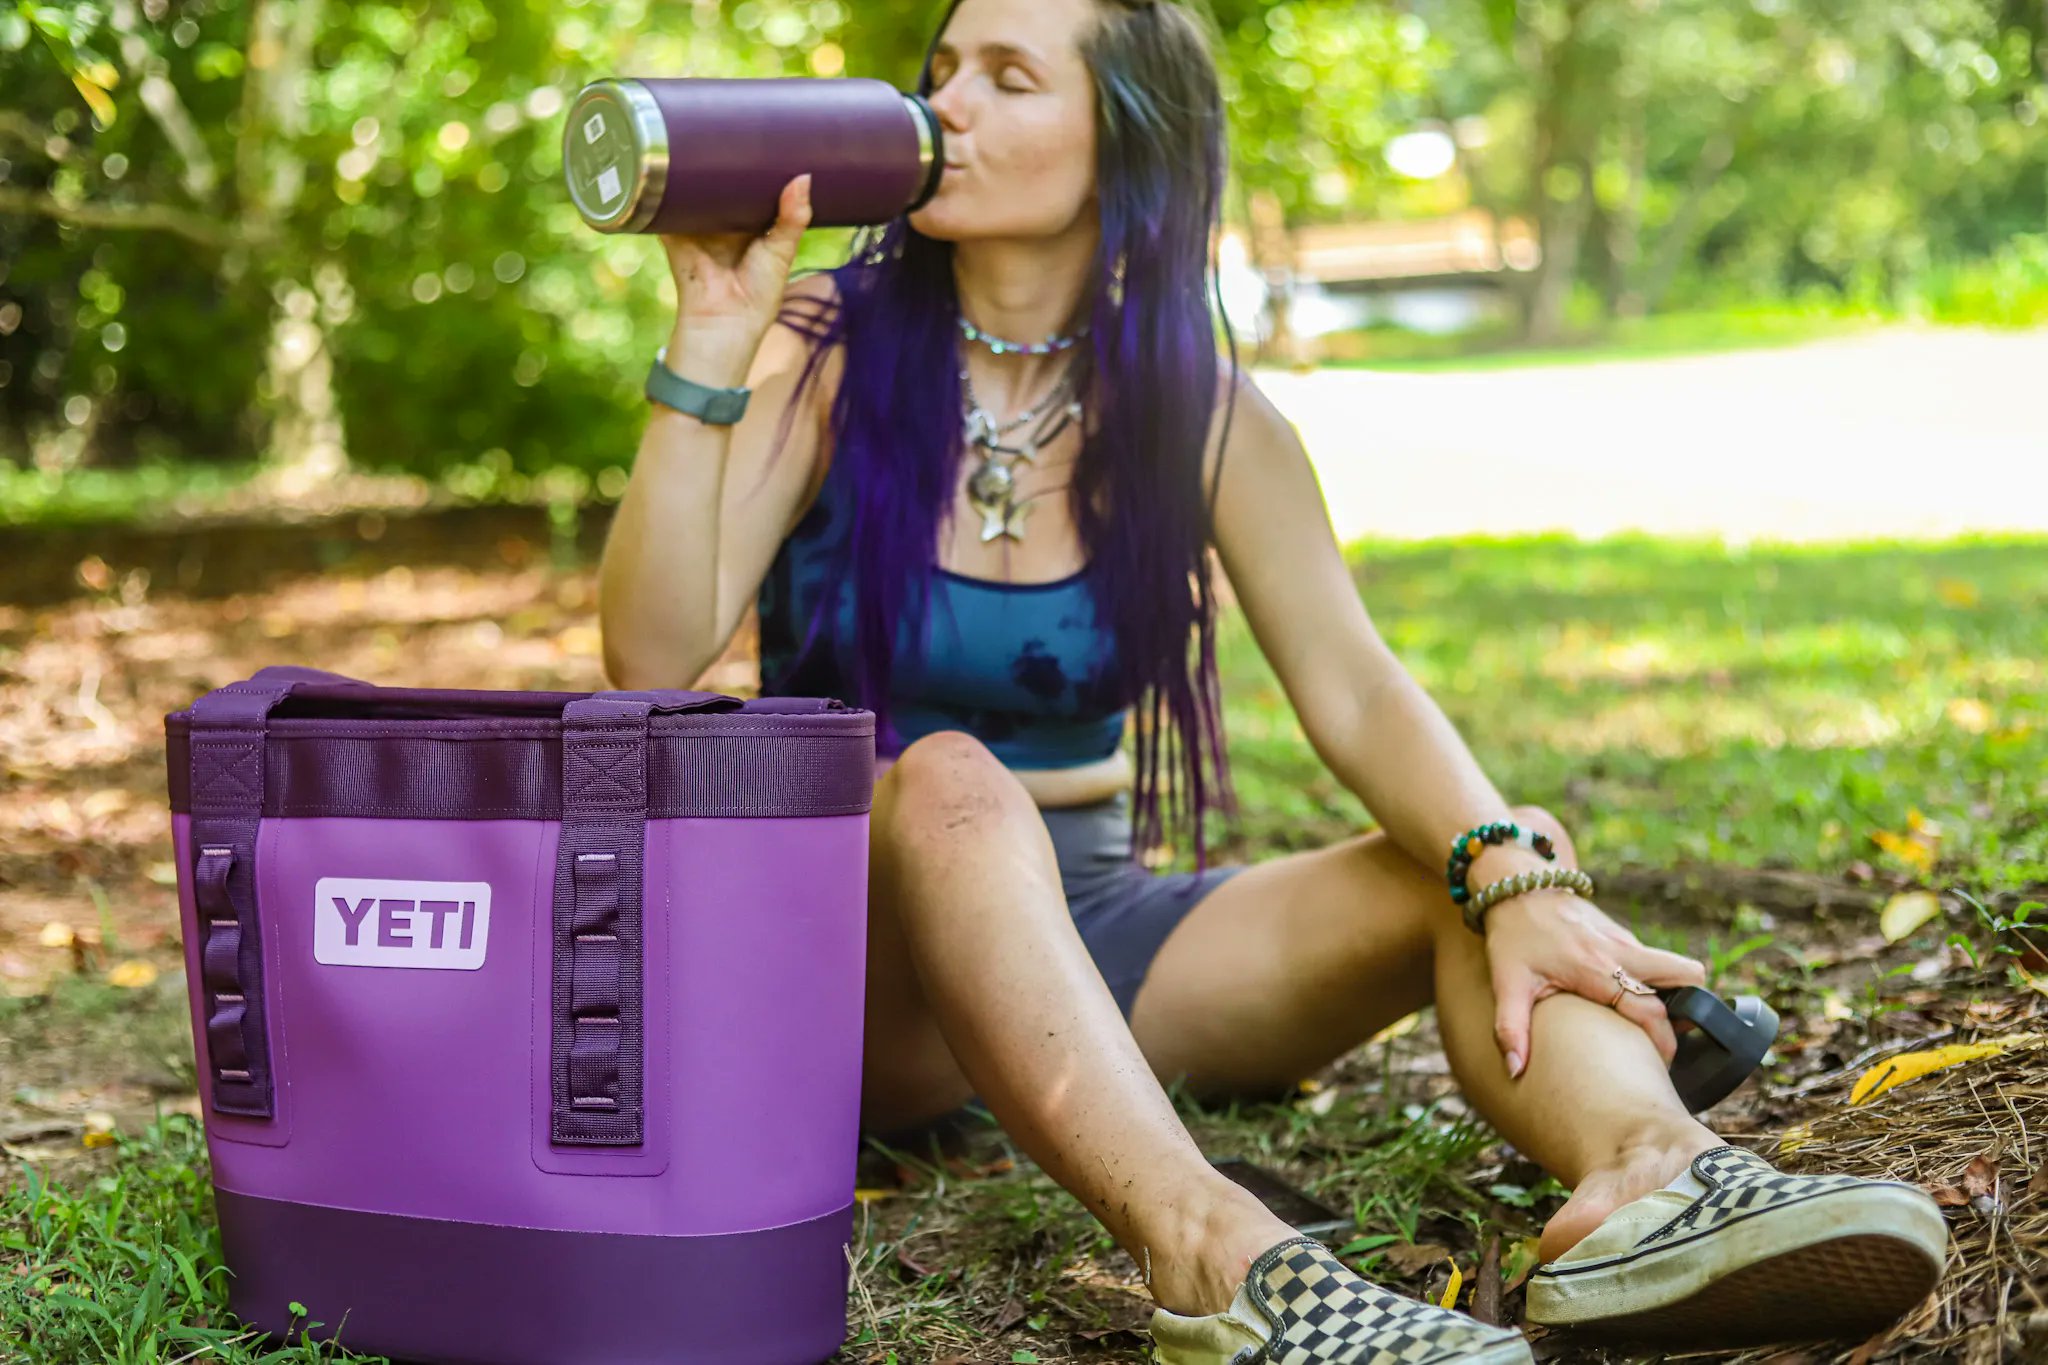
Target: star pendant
999, 520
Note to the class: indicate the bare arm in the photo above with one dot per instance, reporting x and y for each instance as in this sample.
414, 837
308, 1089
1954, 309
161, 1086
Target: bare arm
707, 505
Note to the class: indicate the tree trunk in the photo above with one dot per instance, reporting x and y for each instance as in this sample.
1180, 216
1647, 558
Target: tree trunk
305, 445
1649, 290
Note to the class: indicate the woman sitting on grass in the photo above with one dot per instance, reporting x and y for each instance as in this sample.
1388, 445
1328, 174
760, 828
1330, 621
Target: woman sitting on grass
975, 491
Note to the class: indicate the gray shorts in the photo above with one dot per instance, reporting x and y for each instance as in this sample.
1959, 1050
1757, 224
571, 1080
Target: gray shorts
1123, 910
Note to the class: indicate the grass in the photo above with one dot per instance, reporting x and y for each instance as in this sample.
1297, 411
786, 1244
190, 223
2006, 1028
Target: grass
1673, 701
1737, 328
1842, 711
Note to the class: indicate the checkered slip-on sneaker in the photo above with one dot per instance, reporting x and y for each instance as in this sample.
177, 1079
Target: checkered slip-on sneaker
1300, 1305
1760, 1257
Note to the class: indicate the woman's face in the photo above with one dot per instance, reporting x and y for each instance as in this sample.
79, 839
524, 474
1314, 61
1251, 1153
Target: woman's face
1017, 102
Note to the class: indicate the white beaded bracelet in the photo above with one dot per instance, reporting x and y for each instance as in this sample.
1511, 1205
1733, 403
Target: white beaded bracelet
1495, 892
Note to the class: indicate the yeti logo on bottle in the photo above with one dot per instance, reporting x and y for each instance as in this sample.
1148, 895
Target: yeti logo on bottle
371, 922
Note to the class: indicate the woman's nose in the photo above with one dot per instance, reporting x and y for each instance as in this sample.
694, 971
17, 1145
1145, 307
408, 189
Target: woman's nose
948, 103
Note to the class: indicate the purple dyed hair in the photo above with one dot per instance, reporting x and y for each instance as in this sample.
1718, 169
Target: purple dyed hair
1150, 375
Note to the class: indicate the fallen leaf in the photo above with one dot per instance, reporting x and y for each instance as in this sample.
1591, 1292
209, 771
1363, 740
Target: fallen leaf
100, 1139
1909, 1066
1912, 850
2038, 1186
1398, 1029
1451, 1290
869, 1196
163, 874
1319, 1104
1409, 1257
56, 934
1948, 1196
1981, 1175
1906, 912
1797, 1136
132, 975
1521, 1260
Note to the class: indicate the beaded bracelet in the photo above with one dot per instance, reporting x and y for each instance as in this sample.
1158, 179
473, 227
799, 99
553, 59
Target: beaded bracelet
1469, 845
1495, 892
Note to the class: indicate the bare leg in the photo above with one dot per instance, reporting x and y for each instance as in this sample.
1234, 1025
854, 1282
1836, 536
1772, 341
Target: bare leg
1296, 961
974, 954
1595, 1107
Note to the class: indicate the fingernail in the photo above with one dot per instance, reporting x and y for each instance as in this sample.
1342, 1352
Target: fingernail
1514, 1064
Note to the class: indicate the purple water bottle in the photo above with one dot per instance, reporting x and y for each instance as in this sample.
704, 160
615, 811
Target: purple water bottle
702, 155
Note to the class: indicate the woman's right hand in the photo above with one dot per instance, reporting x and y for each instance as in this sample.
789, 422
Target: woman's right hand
729, 289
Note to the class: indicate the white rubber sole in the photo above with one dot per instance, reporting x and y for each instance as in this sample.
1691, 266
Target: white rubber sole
1842, 1263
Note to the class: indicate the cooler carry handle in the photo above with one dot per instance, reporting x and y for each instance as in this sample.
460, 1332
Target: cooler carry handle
227, 730
597, 1044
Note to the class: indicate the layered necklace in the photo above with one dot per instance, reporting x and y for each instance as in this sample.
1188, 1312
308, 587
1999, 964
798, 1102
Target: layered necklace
992, 491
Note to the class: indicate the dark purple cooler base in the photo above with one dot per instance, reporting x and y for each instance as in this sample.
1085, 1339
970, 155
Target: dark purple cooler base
448, 1293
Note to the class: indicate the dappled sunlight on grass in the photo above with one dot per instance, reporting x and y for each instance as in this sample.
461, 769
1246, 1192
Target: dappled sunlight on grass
1672, 700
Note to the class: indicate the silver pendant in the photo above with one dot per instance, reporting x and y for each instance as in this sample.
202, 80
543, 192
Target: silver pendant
992, 483
1004, 520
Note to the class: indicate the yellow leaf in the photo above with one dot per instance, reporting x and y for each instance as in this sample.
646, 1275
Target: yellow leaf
132, 975
1957, 592
1906, 912
99, 1139
102, 105
1797, 1136
163, 874
1521, 1258
867, 1196
56, 934
1911, 1066
1451, 1290
1399, 1028
1832, 1007
1909, 850
1309, 1085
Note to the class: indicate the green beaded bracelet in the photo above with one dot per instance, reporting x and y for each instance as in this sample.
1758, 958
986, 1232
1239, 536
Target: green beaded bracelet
1472, 842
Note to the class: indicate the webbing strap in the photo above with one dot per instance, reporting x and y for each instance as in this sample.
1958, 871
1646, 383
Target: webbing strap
227, 807
598, 1045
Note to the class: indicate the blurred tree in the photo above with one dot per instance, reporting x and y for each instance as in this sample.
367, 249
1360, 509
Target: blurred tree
236, 226
1761, 147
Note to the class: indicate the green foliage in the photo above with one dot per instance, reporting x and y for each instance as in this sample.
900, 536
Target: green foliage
373, 190
128, 1268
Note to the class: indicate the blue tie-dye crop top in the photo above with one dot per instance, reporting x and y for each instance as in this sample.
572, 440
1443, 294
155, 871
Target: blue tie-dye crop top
1024, 667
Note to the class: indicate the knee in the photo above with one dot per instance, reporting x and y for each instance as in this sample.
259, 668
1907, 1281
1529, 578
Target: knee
1543, 822
942, 782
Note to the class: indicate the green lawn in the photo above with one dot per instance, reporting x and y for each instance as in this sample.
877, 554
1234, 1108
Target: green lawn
1676, 704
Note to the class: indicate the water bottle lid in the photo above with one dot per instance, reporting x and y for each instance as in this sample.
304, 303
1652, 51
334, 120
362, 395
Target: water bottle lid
615, 155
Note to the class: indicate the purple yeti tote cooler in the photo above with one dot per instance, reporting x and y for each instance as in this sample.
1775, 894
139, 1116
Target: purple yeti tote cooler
529, 1024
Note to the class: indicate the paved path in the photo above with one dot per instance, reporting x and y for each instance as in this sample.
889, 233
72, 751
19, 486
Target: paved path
1904, 432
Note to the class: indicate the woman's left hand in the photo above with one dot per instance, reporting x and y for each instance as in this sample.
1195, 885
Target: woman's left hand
1550, 940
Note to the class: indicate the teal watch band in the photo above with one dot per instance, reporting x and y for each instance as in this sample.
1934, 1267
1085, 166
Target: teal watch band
717, 407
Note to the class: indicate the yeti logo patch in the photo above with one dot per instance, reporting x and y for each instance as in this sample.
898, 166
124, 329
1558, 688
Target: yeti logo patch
371, 922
